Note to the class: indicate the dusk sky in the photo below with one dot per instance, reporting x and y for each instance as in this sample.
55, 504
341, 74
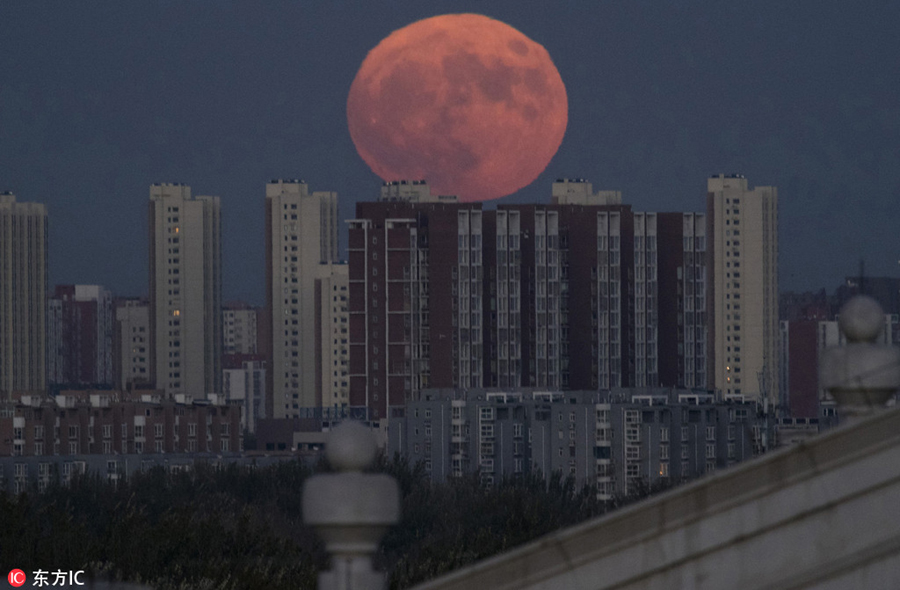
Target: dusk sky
99, 100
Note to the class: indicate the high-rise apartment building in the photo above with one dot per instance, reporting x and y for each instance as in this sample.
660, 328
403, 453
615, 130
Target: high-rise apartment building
587, 294
416, 296
80, 336
333, 338
23, 295
671, 317
185, 290
581, 293
131, 357
301, 247
742, 225
558, 278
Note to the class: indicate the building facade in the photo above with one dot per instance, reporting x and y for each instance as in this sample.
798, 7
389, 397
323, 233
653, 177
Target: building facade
416, 296
677, 316
83, 423
333, 338
581, 293
131, 349
239, 329
559, 278
742, 225
244, 383
301, 247
620, 441
80, 336
185, 290
584, 273
23, 295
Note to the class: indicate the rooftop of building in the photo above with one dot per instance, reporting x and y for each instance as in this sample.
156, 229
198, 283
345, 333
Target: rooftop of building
109, 398
635, 395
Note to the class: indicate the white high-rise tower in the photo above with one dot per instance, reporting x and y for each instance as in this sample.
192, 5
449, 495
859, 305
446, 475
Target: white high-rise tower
301, 247
743, 225
185, 291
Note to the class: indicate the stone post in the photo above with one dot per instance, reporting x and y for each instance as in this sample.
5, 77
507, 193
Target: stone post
351, 510
862, 375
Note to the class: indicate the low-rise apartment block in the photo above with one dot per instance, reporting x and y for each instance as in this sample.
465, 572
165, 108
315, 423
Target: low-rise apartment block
619, 440
78, 423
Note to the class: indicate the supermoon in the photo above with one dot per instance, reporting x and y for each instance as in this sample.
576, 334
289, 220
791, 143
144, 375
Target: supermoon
464, 101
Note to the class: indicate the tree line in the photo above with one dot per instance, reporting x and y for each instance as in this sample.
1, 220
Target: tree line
236, 528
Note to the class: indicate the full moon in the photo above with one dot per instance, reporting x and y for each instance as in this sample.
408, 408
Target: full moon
464, 101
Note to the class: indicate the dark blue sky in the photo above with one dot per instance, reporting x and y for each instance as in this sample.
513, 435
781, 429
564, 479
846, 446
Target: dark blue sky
99, 100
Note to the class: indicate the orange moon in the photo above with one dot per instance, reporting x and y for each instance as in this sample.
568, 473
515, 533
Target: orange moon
464, 101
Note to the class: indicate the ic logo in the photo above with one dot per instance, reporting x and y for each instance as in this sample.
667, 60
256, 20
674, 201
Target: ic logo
16, 578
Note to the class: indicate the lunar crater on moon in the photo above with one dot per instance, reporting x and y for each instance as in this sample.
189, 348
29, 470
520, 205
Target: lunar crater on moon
464, 101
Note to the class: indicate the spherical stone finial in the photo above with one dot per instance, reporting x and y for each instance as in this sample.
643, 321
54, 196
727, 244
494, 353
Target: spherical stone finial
861, 319
350, 446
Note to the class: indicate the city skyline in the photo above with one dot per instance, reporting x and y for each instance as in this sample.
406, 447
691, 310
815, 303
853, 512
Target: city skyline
659, 97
